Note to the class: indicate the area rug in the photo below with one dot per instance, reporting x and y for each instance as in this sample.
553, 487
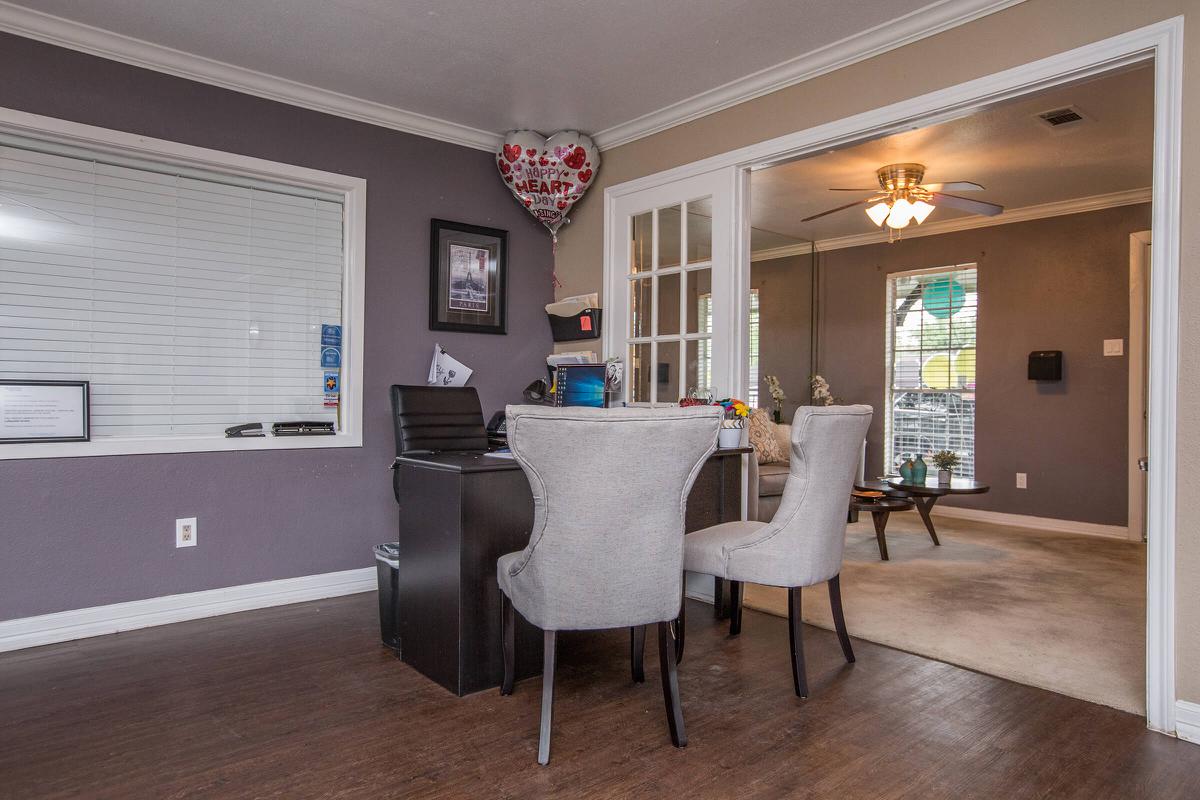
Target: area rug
1062, 612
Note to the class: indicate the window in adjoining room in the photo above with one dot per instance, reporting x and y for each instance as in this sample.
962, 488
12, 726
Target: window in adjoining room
930, 403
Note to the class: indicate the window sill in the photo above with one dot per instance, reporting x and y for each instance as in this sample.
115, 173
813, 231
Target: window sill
119, 446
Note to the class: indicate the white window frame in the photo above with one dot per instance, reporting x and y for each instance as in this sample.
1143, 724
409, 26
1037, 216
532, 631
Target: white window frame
889, 361
354, 193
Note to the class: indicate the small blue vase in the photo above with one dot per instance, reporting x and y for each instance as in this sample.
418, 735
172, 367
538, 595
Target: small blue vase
920, 470
906, 471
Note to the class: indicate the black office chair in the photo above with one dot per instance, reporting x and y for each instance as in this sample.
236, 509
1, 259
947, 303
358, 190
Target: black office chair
436, 418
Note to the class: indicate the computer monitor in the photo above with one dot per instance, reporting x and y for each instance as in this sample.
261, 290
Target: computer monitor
580, 385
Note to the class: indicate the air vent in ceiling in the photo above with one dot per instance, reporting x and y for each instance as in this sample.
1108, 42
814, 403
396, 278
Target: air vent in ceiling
1059, 117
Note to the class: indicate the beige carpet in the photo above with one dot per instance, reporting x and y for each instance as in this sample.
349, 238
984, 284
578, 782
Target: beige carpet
1058, 611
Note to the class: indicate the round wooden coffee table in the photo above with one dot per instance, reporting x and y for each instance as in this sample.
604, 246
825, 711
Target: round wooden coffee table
880, 509
924, 495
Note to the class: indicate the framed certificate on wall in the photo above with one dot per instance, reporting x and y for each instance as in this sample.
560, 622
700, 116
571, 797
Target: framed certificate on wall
44, 411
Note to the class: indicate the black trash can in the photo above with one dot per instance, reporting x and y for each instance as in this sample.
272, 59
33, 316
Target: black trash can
387, 567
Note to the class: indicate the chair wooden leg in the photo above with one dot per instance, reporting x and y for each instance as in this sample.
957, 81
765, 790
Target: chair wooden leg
799, 675
880, 518
637, 650
735, 608
839, 621
508, 627
548, 661
670, 682
679, 629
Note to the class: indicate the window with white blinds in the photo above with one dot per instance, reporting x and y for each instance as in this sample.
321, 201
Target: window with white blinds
191, 301
705, 360
931, 343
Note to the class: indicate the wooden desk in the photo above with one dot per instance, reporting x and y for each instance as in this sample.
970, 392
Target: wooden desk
459, 512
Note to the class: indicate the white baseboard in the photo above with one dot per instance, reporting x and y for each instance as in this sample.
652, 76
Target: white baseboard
1036, 523
64, 626
1187, 721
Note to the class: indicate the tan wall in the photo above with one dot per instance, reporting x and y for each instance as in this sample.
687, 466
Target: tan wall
1026, 32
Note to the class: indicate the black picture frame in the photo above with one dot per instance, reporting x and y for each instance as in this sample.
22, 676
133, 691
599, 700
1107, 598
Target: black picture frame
85, 386
458, 299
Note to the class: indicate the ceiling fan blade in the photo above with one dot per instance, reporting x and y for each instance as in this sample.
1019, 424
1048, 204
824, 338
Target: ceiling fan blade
966, 204
853, 190
835, 210
953, 186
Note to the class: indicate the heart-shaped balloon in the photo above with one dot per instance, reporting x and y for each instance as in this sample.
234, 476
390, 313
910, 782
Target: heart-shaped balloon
548, 176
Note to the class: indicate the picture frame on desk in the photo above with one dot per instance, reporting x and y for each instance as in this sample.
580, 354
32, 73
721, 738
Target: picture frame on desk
468, 278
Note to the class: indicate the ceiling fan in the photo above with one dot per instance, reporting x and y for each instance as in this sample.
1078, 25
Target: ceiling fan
902, 198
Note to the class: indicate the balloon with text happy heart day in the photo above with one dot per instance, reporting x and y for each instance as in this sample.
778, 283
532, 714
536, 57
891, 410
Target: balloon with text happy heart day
548, 176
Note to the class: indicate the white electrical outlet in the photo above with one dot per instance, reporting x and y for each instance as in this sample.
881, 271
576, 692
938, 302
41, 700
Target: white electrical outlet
185, 532
1021, 481
1114, 347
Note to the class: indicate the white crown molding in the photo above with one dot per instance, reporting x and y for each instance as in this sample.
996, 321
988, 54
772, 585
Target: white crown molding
1047, 524
114, 46
1060, 208
82, 623
1187, 721
914, 26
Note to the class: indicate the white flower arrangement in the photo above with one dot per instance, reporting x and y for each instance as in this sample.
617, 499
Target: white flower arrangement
821, 394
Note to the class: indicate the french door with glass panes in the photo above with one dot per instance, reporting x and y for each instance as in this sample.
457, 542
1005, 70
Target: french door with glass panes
675, 317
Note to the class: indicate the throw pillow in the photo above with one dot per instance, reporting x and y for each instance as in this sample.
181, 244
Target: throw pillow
763, 438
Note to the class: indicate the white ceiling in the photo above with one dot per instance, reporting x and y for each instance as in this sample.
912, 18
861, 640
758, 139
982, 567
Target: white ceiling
494, 65
1006, 149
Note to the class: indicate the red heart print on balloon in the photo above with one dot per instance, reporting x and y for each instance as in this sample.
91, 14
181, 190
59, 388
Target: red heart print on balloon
576, 158
551, 183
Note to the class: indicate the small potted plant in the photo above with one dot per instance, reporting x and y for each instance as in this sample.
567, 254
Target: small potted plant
945, 461
778, 398
734, 422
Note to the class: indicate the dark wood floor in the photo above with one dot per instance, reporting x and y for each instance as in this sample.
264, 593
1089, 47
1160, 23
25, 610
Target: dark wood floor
301, 701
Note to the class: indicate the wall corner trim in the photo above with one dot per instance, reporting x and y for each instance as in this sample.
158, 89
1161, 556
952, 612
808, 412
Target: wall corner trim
1187, 721
65, 626
912, 27
126, 49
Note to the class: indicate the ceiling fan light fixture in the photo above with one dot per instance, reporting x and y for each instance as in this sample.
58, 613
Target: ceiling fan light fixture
921, 210
901, 214
879, 212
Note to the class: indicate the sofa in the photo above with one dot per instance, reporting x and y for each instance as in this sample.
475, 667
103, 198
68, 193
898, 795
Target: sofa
762, 504
769, 477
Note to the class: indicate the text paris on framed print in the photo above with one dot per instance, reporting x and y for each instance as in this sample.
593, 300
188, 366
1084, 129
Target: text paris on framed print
468, 277
44, 411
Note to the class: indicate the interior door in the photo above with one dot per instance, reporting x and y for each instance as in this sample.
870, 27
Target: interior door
676, 316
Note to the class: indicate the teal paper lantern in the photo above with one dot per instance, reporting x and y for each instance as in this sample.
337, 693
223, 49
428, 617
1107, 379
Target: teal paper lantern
943, 298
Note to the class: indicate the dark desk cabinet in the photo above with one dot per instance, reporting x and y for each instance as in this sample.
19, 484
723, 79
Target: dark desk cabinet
459, 512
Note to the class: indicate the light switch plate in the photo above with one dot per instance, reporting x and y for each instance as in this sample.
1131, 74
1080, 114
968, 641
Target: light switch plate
1022, 481
1114, 347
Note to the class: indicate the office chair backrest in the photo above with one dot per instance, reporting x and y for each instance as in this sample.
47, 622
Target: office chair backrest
609, 489
803, 543
437, 418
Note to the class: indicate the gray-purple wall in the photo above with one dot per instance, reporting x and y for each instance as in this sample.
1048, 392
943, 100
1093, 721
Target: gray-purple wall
1050, 284
90, 531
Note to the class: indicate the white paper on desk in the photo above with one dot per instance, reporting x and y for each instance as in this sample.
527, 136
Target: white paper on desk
445, 370
570, 306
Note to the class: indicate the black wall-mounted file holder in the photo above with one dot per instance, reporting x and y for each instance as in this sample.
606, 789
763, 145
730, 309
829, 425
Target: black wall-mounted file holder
584, 325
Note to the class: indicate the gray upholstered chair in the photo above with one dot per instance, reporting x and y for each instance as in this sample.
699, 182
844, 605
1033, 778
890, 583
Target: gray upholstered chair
802, 545
606, 550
